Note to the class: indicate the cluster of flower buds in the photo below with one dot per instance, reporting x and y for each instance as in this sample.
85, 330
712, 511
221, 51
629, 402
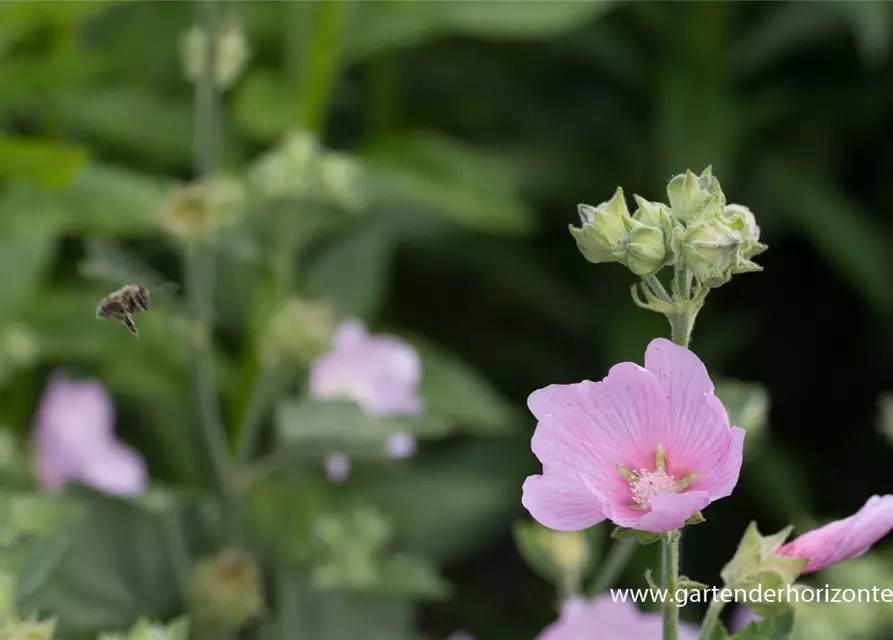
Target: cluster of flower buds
352, 543
697, 231
231, 51
145, 630
300, 168
300, 330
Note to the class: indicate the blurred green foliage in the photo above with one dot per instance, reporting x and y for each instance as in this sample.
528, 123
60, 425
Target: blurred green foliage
450, 142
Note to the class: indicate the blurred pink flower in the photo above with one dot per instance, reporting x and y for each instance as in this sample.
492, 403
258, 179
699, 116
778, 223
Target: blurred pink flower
599, 443
606, 619
401, 445
380, 373
845, 538
337, 467
74, 440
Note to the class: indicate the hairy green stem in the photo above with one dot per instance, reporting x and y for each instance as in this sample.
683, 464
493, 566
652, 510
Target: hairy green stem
670, 582
711, 618
618, 557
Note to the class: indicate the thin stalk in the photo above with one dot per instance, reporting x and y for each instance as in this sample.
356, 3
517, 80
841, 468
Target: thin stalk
264, 393
711, 618
670, 582
618, 557
657, 288
201, 258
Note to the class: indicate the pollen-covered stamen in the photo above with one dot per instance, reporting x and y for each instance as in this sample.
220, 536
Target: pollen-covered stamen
649, 483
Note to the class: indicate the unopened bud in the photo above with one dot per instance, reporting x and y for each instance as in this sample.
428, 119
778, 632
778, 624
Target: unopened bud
602, 228
694, 198
289, 169
145, 630
340, 180
755, 566
301, 330
231, 51
643, 250
741, 219
227, 589
559, 556
711, 250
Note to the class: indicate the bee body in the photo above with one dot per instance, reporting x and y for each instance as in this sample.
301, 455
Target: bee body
122, 304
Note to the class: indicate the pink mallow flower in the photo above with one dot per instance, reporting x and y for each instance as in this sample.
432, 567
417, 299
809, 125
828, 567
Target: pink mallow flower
380, 373
606, 619
75, 442
646, 448
845, 538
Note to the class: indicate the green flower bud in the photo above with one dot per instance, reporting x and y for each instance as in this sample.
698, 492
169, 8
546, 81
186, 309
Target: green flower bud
231, 52
27, 630
711, 250
656, 214
145, 630
643, 250
694, 198
196, 210
741, 219
340, 180
227, 589
602, 228
755, 566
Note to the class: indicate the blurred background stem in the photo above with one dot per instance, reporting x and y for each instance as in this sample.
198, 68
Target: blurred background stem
618, 557
201, 258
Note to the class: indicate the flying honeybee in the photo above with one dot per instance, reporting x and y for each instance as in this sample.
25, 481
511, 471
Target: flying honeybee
127, 301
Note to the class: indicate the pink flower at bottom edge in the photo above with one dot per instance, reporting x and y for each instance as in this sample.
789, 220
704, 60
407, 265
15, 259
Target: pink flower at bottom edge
845, 538
606, 619
599, 444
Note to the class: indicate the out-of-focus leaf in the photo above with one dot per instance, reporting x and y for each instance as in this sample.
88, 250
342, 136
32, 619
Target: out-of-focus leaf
522, 20
407, 576
871, 23
19, 18
343, 616
317, 427
837, 227
747, 406
165, 132
43, 162
473, 492
106, 260
25, 256
460, 395
441, 175
99, 200
265, 104
351, 271
376, 27
117, 568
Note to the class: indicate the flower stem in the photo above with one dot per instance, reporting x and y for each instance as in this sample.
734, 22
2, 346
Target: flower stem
670, 582
201, 259
618, 557
711, 618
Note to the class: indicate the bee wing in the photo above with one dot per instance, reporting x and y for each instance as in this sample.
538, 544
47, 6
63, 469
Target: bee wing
106, 261
164, 289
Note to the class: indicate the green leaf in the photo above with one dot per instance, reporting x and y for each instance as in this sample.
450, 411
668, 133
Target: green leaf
471, 491
345, 616
351, 272
116, 570
135, 121
522, 20
44, 162
443, 176
314, 428
718, 632
747, 405
411, 577
778, 627
25, 257
460, 395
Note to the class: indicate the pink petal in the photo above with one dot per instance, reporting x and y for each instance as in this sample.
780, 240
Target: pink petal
118, 470
668, 511
561, 505
349, 333
845, 538
698, 437
585, 430
604, 618
81, 407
